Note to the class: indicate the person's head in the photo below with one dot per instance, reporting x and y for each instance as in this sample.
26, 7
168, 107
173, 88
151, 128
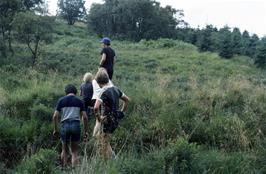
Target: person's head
87, 77
106, 41
70, 89
102, 77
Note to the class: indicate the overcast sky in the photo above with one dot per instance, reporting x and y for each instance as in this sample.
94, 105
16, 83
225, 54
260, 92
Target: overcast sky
247, 15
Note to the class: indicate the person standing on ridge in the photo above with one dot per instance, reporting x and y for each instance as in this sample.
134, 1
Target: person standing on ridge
108, 57
71, 108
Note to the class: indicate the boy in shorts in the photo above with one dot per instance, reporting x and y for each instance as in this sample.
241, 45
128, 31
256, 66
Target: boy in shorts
71, 109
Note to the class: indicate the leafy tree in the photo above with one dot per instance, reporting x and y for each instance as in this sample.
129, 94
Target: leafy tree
134, 19
260, 58
71, 10
236, 41
205, 41
245, 42
8, 9
32, 30
253, 42
31, 4
226, 49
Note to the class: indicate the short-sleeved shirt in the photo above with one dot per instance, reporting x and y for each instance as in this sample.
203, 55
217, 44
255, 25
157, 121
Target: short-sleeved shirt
86, 92
97, 90
70, 107
110, 99
110, 56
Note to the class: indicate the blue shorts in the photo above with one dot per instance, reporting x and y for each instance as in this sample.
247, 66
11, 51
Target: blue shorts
70, 131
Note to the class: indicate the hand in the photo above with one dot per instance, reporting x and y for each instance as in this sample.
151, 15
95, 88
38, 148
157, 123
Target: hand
103, 119
85, 136
55, 134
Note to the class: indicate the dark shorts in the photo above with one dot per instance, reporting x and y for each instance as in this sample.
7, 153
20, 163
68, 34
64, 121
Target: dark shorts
70, 131
109, 72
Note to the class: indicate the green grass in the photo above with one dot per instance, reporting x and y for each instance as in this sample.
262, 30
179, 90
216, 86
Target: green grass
190, 112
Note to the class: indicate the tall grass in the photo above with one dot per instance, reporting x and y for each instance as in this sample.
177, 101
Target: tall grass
190, 112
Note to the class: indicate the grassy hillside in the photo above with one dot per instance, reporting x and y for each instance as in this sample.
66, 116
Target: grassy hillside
191, 112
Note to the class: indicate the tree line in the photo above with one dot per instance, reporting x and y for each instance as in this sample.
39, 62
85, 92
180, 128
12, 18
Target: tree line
146, 19
227, 42
28, 21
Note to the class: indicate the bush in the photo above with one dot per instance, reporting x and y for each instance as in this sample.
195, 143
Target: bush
42, 162
224, 132
214, 162
179, 156
41, 113
12, 142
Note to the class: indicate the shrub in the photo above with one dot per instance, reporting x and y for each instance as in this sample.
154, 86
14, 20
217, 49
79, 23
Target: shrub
179, 156
42, 162
210, 162
225, 132
41, 112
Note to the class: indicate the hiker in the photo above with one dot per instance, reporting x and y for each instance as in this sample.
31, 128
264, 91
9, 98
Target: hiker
86, 91
108, 57
70, 108
109, 101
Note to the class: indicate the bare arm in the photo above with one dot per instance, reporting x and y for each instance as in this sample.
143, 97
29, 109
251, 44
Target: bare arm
97, 108
103, 59
125, 103
114, 60
55, 121
85, 121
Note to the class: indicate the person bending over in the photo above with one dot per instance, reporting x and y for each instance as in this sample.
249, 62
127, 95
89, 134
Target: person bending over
71, 109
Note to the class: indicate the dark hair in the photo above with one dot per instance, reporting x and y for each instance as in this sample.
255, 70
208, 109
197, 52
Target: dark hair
70, 89
102, 77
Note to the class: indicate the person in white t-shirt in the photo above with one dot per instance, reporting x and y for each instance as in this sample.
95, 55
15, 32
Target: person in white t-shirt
97, 91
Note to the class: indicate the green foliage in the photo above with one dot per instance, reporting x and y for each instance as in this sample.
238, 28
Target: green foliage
205, 41
71, 10
8, 10
236, 41
41, 112
226, 47
219, 163
260, 59
32, 30
148, 20
31, 4
42, 162
190, 111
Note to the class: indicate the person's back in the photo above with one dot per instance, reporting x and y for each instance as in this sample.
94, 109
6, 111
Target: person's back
110, 99
86, 89
110, 56
70, 108
108, 121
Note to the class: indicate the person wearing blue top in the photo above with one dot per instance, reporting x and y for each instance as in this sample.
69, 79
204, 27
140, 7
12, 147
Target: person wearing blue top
71, 109
108, 57
86, 91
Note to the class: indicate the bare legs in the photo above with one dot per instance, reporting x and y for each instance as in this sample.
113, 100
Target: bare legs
74, 154
105, 147
64, 155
